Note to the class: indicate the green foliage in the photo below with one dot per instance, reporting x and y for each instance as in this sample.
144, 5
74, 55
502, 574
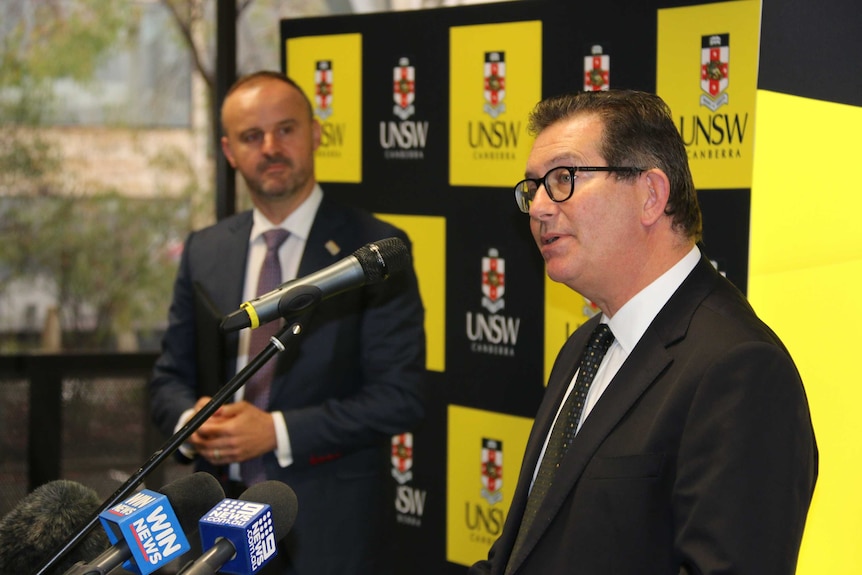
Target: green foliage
62, 40
110, 259
24, 157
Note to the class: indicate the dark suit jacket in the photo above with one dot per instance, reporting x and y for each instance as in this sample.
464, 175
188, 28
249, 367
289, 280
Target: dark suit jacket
353, 380
698, 458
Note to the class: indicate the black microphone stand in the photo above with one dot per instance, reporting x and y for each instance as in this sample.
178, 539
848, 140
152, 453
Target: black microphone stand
285, 338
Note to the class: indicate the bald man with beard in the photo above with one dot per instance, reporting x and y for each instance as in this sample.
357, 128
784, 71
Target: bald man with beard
353, 380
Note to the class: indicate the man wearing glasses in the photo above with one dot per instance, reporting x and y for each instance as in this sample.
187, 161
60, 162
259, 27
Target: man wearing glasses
675, 435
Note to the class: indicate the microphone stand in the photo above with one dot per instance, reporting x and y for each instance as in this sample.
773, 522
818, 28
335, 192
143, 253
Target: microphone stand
285, 338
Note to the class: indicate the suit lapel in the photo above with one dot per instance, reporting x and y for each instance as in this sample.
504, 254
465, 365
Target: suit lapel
643, 366
558, 381
232, 254
235, 254
325, 244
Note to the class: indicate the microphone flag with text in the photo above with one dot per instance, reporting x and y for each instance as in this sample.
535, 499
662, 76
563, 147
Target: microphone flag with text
370, 264
148, 529
241, 535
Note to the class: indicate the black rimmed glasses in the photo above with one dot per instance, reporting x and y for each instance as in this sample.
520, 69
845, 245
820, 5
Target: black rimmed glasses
559, 183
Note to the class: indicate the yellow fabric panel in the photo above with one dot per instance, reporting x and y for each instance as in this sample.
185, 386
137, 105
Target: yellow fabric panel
804, 279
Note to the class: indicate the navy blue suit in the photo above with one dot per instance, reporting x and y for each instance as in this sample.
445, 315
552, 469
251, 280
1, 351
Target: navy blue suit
353, 380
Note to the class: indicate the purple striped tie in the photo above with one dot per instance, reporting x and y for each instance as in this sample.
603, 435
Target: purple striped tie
257, 387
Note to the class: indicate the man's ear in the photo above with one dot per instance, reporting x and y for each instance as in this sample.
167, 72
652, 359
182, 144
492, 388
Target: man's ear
656, 198
225, 148
315, 134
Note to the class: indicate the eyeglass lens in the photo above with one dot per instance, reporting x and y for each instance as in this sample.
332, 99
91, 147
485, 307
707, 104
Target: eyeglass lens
559, 182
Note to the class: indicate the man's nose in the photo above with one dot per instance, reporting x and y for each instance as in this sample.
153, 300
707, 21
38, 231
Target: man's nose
541, 205
269, 143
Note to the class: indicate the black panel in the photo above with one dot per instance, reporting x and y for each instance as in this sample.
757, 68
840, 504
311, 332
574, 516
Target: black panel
630, 42
726, 225
812, 49
494, 358
420, 502
493, 370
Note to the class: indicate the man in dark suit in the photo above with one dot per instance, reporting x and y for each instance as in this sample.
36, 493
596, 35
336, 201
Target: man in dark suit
691, 449
350, 382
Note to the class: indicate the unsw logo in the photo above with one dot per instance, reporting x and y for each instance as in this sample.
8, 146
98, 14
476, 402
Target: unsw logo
323, 89
332, 133
485, 522
714, 70
495, 83
402, 457
493, 334
404, 88
495, 139
492, 470
715, 135
405, 139
597, 71
409, 501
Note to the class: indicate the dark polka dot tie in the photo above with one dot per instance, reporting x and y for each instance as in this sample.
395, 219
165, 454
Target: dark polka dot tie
564, 430
257, 387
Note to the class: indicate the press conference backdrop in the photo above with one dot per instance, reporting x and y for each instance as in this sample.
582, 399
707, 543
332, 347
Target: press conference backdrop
424, 123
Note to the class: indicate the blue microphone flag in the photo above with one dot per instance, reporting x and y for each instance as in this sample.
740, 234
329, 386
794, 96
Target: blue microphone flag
147, 523
248, 526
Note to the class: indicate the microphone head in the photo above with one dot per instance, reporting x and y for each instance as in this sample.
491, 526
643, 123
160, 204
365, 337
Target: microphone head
281, 498
44, 520
151, 526
382, 258
242, 535
191, 496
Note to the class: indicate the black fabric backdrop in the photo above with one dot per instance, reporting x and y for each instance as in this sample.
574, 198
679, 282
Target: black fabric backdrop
480, 218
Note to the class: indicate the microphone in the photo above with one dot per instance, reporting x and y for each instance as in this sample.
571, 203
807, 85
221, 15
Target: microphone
370, 264
42, 521
242, 534
148, 529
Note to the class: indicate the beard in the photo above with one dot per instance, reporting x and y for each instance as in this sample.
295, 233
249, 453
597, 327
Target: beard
288, 183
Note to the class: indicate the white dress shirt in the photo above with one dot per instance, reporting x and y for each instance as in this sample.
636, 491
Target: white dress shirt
290, 253
628, 326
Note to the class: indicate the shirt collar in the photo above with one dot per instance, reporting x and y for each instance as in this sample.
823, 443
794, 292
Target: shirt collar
298, 223
633, 319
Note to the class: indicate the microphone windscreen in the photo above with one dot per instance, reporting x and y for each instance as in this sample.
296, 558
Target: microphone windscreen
280, 498
382, 258
191, 496
44, 520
